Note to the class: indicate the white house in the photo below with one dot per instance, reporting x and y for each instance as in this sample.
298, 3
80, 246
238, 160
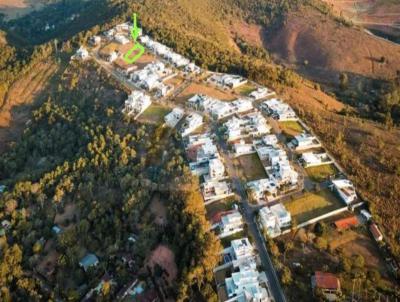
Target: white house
121, 39
136, 103
215, 190
198, 140
81, 53
304, 141
173, 118
216, 169
95, 40
242, 148
192, 122
206, 152
231, 223
311, 159
245, 285
228, 80
192, 68
345, 189
283, 216
269, 222
109, 34
279, 110
261, 93
112, 56
263, 190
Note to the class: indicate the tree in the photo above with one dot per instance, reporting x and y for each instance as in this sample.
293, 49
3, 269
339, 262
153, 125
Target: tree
344, 81
286, 276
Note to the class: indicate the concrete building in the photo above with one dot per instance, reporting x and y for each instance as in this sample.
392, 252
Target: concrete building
345, 189
173, 118
136, 103
192, 122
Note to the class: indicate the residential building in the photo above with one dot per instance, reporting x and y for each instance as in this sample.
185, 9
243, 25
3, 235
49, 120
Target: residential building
109, 34
192, 122
345, 223
81, 53
192, 68
327, 283
111, 57
269, 222
261, 93
215, 190
173, 118
231, 223
121, 39
373, 228
206, 152
126, 26
246, 285
304, 141
90, 260
242, 148
95, 40
228, 80
162, 90
240, 251
283, 215
216, 169
198, 140
345, 189
263, 190
136, 103
279, 110
311, 159
367, 215
250, 125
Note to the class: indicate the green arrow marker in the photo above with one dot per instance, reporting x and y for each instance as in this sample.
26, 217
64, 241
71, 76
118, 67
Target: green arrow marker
135, 31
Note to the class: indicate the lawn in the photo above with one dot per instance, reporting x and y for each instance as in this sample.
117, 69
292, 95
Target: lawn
245, 89
321, 173
291, 128
219, 206
252, 167
313, 205
154, 114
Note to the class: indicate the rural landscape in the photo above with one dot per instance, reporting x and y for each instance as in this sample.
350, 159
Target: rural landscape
250, 153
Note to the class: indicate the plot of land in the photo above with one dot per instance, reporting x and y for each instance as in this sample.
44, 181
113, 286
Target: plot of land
321, 173
154, 114
252, 167
17, 8
245, 89
217, 207
164, 257
196, 88
291, 128
312, 205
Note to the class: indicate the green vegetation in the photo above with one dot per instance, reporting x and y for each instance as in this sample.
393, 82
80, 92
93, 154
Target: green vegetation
291, 128
321, 173
252, 167
312, 205
81, 164
154, 114
245, 89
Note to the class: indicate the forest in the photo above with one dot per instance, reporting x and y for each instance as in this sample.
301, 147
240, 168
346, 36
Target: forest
80, 154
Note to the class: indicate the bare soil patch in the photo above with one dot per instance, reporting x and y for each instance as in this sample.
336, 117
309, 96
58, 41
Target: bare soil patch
321, 43
164, 257
196, 88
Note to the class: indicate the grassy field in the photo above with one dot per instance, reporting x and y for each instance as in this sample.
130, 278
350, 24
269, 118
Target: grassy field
291, 128
154, 114
321, 173
252, 167
245, 89
313, 205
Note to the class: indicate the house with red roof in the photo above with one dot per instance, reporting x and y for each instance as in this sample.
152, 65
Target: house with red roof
345, 223
327, 283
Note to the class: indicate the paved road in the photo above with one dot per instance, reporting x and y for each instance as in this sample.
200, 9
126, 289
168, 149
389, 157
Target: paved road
249, 213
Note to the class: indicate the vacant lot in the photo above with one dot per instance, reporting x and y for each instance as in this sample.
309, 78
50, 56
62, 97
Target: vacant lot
252, 167
164, 257
291, 128
312, 205
154, 114
245, 89
196, 88
321, 46
321, 173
